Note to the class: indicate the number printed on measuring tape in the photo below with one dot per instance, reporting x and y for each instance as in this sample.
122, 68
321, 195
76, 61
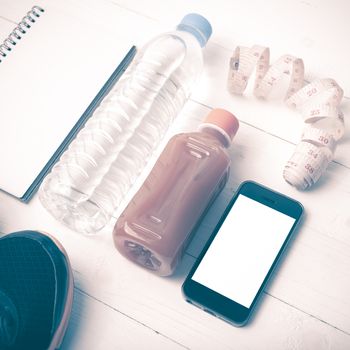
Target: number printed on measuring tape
318, 102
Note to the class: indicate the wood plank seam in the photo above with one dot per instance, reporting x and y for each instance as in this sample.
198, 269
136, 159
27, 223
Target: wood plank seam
129, 317
306, 313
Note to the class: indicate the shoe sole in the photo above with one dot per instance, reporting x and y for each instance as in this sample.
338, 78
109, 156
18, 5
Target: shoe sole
57, 339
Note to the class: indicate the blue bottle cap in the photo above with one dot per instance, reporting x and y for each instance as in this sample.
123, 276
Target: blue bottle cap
198, 26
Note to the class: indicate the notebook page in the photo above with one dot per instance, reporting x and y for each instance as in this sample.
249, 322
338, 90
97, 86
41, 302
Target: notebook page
46, 83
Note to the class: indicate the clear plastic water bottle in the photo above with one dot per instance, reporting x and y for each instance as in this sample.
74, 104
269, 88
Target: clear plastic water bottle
94, 174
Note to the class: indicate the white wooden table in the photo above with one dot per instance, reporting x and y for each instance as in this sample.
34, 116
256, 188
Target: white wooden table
307, 306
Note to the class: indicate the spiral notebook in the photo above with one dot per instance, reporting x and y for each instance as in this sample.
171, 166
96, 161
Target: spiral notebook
55, 67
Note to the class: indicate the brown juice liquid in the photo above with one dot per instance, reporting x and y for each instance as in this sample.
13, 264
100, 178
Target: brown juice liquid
156, 226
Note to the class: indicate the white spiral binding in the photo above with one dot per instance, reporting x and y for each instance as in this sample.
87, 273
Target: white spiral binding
21, 29
318, 103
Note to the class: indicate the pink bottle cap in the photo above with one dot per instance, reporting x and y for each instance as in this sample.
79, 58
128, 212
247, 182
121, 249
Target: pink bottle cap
223, 121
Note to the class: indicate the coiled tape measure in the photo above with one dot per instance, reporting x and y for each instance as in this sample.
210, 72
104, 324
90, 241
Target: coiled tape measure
318, 102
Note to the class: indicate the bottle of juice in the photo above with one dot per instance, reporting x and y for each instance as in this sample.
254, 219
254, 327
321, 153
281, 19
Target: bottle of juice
156, 226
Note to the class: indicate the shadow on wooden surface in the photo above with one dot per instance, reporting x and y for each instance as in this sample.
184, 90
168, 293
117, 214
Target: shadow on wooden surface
76, 322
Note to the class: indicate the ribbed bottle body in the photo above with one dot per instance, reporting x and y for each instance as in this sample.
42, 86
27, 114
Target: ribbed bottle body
95, 173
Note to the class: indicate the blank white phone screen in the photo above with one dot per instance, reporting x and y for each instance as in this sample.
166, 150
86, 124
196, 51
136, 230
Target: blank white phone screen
243, 250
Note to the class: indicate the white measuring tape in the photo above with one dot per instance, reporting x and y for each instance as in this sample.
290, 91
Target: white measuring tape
318, 102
